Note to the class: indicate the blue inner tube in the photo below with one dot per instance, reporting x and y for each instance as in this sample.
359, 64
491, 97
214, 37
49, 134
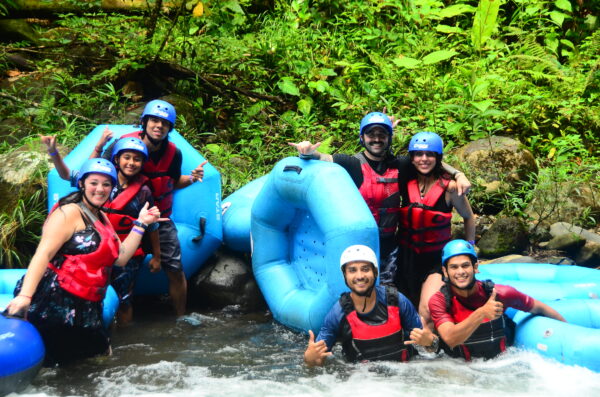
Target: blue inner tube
196, 209
544, 281
576, 342
304, 217
21, 354
236, 220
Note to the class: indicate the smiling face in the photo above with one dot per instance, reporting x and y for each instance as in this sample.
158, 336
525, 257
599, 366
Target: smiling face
129, 163
423, 160
156, 128
461, 272
376, 141
97, 188
359, 276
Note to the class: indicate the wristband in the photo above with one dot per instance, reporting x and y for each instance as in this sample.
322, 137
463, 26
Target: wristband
472, 242
456, 174
192, 180
140, 224
26, 296
54, 153
305, 156
98, 150
138, 231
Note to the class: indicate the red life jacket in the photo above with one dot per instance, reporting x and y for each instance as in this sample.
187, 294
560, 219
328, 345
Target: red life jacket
161, 184
87, 275
381, 193
487, 341
423, 227
120, 220
375, 342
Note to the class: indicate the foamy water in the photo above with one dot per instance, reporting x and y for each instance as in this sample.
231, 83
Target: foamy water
227, 353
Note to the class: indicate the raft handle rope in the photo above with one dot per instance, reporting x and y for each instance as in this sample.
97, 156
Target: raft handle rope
292, 168
202, 228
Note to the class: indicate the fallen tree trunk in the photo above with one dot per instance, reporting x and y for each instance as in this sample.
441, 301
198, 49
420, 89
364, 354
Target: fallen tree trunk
43, 8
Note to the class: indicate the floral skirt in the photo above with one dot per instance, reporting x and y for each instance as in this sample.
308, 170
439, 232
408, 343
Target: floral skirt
71, 327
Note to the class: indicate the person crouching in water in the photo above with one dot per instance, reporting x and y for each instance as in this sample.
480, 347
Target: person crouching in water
371, 321
126, 199
62, 292
469, 314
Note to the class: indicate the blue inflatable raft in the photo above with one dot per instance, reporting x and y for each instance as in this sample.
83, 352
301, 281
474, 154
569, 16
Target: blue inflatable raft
196, 209
236, 220
573, 291
21, 354
304, 217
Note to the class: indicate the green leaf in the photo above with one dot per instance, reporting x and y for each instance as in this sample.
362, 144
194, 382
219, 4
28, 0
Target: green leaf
305, 105
558, 17
564, 5
326, 145
319, 85
484, 22
482, 106
287, 86
567, 43
234, 6
213, 147
448, 29
327, 72
406, 62
457, 9
438, 56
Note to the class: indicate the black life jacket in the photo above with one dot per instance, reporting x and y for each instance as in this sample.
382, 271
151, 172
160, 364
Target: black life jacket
488, 340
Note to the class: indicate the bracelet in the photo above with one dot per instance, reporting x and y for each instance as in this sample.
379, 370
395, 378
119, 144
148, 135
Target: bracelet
54, 153
472, 242
140, 224
98, 150
26, 296
305, 156
458, 173
138, 231
192, 180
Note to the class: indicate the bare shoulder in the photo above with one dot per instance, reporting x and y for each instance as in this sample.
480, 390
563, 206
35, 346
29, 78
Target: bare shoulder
67, 213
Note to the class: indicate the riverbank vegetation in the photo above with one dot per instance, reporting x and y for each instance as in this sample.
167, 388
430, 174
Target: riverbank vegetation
249, 76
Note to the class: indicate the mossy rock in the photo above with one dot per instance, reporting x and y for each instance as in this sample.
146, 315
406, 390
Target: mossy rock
506, 236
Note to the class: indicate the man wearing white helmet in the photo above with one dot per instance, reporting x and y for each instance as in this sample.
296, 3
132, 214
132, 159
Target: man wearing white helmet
378, 175
372, 322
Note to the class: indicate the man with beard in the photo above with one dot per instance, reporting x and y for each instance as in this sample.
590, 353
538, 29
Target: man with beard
378, 174
373, 323
469, 314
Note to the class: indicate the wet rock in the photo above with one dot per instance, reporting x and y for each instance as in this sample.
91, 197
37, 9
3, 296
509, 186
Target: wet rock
505, 236
514, 259
227, 279
589, 255
569, 242
560, 260
559, 228
496, 166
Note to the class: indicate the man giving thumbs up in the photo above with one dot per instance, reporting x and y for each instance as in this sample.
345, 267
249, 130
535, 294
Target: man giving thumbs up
469, 314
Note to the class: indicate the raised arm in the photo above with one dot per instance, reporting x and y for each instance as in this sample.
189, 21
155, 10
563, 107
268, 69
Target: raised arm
133, 240
63, 170
107, 134
308, 150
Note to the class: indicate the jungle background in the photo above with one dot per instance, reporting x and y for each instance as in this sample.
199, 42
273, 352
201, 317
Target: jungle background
249, 76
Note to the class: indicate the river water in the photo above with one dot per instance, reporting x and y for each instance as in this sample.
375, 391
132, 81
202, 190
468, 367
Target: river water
229, 353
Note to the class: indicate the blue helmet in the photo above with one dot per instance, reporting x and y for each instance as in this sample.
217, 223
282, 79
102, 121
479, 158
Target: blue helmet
131, 143
458, 247
98, 166
428, 141
373, 119
161, 109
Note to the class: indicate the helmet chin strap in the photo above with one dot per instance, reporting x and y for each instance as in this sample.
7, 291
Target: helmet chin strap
88, 201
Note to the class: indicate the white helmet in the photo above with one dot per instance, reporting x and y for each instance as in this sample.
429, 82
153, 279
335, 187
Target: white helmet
356, 253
